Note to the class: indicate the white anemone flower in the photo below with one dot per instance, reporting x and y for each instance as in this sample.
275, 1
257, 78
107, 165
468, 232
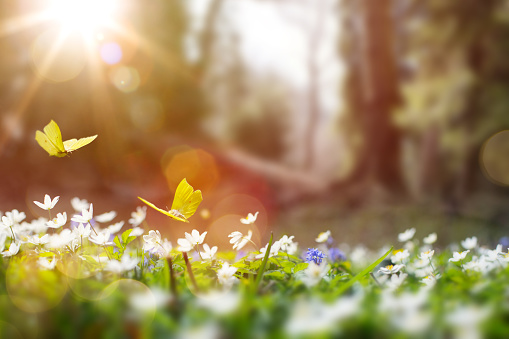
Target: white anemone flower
191, 240
48, 203
139, 216
152, 240
430, 239
458, 256
7, 221
86, 215
115, 227
225, 275
102, 238
36, 240
57, 222
274, 250
16, 216
391, 269
426, 255
106, 217
79, 204
208, 253
323, 237
45, 264
407, 235
399, 256
250, 219
314, 273
13, 250
82, 231
239, 240
287, 244
126, 263
469, 243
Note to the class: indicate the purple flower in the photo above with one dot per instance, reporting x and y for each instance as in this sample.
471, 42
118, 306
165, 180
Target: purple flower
336, 255
314, 255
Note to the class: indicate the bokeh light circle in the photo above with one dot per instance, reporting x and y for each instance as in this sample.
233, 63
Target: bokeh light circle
111, 53
125, 79
34, 290
9, 331
494, 158
58, 56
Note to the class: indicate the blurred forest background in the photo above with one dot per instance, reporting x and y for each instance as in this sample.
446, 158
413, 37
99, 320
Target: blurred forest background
365, 117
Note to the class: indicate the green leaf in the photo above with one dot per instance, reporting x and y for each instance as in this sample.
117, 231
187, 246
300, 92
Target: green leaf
264, 264
275, 274
300, 267
368, 269
125, 236
117, 242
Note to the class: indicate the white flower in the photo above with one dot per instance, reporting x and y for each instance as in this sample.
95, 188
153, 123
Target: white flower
7, 221
126, 263
48, 203
86, 215
57, 222
429, 281
82, 231
457, 256
407, 235
469, 243
391, 269
16, 216
426, 255
287, 244
239, 240
209, 252
115, 227
274, 250
13, 250
39, 241
152, 240
136, 232
396, 280
45, 264
225, 275
314, 273
59, 240
250, 219
430, 239
399, 256
102, 238
79, 204
191, 240
138, 216
323, 237
106, 217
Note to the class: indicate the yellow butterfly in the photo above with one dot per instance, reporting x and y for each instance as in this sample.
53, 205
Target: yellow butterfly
185, 203
51, 141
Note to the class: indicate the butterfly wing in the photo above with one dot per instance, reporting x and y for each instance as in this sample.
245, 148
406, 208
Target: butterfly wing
74, 144
162, 211
48, 146
186, 200
52, 131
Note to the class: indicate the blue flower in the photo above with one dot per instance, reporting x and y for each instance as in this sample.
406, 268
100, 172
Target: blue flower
314, 255
336, 255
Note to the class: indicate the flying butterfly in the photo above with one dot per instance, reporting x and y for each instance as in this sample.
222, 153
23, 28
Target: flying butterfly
51, 141
184, 204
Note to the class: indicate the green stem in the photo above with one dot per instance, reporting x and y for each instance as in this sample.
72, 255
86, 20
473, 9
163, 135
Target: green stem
190, 271
264, 264
173, 284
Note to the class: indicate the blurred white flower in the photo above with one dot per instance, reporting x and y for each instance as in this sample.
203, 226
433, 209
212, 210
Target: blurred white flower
457, 256
407, 235
225, 275
106, 217
82, 231
469, 243
314, 273
429, 281
399, 256
115, 227
287, 244
396, 280
139, 216
208, 253
323, 237
101, 238
136, 232
126, 263
430, 239
152, 240
7, 221
466, 320
191, 240
57, 222
427, 255
13, 250
45, 264
220, 302
391, 269
36, 240
16, 216
239, 240
48, 203
250, 219
79, 204
59, 240
85, 216
274, 250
